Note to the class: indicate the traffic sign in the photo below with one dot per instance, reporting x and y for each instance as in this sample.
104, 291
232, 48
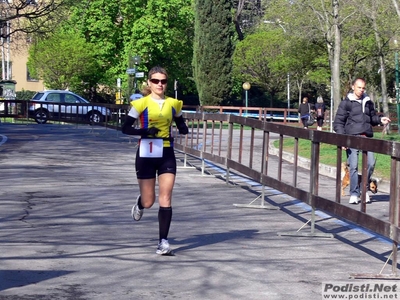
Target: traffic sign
131, 71
139, 75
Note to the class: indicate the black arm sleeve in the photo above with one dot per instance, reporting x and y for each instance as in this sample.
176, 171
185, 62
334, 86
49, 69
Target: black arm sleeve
181, 125
128, 129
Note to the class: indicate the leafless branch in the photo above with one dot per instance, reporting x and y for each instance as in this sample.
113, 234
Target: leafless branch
26, 16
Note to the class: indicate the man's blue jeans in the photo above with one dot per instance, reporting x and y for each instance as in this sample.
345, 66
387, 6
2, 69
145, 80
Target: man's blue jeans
352, 159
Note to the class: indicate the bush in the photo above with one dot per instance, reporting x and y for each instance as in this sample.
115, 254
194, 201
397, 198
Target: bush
25, 95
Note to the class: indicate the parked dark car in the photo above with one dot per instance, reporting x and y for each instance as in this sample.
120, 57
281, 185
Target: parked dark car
65, 105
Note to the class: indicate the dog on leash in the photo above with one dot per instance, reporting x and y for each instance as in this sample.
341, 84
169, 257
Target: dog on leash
373, 184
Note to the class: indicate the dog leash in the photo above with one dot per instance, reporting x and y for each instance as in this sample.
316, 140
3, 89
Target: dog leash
385, 129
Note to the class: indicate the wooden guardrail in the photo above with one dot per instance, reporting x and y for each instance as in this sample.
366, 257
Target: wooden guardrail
246, 151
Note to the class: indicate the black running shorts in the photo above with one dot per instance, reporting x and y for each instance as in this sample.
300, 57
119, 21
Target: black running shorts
148, 167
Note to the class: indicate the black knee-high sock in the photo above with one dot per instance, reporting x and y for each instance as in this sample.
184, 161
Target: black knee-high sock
140, 203
164, 221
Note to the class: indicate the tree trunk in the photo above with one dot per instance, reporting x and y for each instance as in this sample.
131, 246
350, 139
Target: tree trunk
396, 6
300, 88
237, 19
335, 66
381, 63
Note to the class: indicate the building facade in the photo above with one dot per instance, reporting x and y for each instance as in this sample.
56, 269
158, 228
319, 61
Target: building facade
14, 64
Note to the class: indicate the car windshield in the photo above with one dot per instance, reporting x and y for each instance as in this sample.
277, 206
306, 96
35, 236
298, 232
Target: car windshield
37, 96
84, 100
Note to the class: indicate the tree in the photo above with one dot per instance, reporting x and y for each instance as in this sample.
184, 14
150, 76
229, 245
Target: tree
160, 32
382, 29
27, 16
356, 42
258, 60
212, 50
327, 19
64, 61
247, 15
267, 56
163, 35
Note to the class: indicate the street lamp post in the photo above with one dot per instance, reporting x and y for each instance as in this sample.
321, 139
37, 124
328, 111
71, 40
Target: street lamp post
288, 91
132, 71
396, 55
176, 88
136, 61
394, 44
246, 86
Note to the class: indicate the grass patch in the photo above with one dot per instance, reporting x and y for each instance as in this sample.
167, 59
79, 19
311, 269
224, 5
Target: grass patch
393, 137
328, 154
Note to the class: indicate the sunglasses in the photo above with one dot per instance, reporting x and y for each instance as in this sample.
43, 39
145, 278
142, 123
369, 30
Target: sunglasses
157, 81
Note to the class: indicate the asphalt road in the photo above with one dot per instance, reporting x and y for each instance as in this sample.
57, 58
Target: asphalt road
66, 230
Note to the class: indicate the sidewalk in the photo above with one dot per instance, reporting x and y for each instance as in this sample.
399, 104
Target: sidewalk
66, 230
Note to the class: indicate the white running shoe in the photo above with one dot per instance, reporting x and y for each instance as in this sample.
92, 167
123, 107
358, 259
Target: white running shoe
163, 247
367, 200
136, 212
353, 199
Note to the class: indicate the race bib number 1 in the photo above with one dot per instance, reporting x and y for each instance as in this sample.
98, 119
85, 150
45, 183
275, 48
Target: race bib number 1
151, 148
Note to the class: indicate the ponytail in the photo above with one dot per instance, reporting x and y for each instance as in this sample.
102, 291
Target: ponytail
146, 90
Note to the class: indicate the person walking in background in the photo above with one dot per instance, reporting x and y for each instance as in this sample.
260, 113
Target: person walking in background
304, 111
155, 154
136, 95
356, 115
320, 112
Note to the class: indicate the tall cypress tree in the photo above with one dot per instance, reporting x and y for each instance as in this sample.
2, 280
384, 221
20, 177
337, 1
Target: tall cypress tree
213, 50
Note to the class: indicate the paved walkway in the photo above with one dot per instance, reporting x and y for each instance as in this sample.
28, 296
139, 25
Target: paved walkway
66, 231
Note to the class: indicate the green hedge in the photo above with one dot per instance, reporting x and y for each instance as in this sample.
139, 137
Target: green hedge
25, 95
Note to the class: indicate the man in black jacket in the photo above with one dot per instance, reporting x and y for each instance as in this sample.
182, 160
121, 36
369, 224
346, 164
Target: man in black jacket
356, 115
